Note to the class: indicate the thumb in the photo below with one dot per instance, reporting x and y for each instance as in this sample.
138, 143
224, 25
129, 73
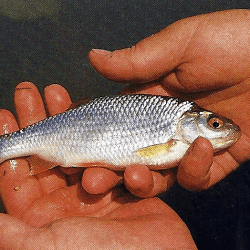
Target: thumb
15, 234
11, 233
194, 169
148, 60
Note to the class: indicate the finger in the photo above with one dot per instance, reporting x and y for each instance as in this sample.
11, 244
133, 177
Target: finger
28, 104
57, 99
159, 185
30, 109
170, 175
148, 60
99, 180
194, 169
17, 188
139, 180
142, 182
73, 178
71, 170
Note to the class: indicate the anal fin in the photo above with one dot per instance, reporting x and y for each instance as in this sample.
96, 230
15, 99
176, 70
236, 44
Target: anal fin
39, 165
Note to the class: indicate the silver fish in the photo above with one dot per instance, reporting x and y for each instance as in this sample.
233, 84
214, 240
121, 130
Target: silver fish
118, 131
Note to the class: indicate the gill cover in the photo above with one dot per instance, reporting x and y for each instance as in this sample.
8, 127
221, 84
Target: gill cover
219, 130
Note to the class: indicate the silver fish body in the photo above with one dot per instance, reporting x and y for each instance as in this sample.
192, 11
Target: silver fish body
119, 131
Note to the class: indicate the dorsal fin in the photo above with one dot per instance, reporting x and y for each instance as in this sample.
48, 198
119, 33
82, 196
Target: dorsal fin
79, 103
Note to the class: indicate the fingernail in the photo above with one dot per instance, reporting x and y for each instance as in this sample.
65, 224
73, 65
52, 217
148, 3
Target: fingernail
101, 51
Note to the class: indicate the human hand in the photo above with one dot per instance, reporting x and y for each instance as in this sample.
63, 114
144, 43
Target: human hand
203, 58
51, 210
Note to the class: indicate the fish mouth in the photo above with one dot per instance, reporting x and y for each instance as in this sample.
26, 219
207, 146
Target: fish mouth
235, 133
230, 138
229, 141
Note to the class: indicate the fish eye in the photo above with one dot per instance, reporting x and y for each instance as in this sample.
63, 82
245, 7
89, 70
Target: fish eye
215, 123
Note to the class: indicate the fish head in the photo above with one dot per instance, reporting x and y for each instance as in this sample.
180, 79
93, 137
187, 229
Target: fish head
220, 131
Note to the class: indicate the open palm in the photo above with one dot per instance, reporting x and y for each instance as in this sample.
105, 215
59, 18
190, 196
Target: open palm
52, 210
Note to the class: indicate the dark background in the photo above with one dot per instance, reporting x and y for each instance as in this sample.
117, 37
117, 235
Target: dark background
48, 42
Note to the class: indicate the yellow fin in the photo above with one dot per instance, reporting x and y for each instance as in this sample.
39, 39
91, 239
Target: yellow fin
156, 150
39, 165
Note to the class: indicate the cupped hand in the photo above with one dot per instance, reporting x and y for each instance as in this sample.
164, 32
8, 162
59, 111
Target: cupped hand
203, 58
52, 210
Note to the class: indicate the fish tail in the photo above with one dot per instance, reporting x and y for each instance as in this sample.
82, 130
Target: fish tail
2, 155
7, 151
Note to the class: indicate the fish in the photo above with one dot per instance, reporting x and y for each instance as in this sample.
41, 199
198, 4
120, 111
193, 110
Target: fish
119, 131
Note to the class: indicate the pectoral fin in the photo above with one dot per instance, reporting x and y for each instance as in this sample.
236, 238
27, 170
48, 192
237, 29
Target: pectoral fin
156, 150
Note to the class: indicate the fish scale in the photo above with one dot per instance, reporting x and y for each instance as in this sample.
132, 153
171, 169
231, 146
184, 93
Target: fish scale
110, 130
